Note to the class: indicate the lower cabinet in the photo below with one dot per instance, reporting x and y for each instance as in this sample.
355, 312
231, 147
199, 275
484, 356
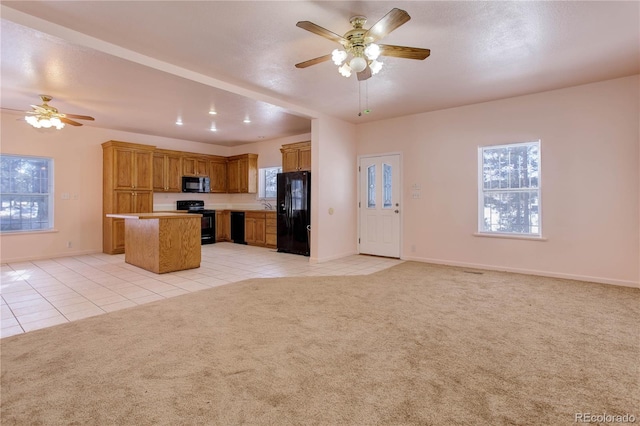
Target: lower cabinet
223, 226
255, 228
271, 230
260, 227
114, 235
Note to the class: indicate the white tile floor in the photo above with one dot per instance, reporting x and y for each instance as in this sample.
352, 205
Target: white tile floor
43, 293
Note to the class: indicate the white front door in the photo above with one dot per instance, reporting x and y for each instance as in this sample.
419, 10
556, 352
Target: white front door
379, 205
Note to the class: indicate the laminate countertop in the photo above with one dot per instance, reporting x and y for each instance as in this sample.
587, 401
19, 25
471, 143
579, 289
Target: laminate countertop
155, 215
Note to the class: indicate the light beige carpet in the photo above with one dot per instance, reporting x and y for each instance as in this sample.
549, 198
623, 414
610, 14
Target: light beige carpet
415, 344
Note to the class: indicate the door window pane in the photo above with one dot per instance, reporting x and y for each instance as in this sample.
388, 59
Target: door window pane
371, 186
387, 196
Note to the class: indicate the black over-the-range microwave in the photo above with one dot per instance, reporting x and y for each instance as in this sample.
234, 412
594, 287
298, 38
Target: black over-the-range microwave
195, 184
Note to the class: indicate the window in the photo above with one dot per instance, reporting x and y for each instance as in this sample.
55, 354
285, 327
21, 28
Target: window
268, 182
26, 199
509, 189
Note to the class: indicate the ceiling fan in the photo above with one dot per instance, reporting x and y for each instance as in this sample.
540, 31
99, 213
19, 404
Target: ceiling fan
46, 116
359, 44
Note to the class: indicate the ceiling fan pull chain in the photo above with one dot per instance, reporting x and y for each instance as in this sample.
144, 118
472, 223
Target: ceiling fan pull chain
359, 99
366, 99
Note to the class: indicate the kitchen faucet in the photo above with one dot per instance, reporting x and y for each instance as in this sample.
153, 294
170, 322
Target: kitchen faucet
267, 206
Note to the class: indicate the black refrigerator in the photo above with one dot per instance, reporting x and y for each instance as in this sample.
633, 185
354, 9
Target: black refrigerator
294, 212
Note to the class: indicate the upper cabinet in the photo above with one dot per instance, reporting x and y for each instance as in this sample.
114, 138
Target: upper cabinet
131, 165
167, 171
218, 174
195, 166
296, 156
242, 174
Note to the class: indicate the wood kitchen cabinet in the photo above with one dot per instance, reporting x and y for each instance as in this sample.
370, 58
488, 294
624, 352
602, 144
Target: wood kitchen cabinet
167, 171
127, 188
255, 228
271, 230
296, 156
130, 167
195, 166
218, 174
242, 174
223, 226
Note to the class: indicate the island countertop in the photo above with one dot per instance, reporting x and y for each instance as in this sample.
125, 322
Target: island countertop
155, 215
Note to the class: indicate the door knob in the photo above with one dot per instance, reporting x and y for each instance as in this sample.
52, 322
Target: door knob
396, 211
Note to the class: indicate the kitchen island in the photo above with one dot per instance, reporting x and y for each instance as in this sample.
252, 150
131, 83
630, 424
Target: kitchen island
162, 242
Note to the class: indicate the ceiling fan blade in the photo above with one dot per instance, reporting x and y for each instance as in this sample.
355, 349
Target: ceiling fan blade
316, 29
313, 61
40, 108
364, 74
404, 52
388, 23
78, 117
71, 122
21, 111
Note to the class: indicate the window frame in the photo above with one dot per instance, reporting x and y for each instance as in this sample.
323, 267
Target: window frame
49, 195
262, 182
482, 191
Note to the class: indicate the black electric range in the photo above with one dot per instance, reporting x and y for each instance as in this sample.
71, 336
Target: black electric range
208, 225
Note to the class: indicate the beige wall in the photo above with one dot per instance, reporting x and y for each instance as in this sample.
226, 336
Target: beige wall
590, 181
77, 155
333, 189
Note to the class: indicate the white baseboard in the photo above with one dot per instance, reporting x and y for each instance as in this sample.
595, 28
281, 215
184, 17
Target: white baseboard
50, 256
329, 258
600, 280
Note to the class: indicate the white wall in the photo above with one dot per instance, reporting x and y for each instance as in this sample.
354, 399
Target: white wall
590, 181
333, 189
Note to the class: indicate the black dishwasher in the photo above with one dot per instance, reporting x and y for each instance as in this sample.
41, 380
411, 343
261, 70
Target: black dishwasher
237, 227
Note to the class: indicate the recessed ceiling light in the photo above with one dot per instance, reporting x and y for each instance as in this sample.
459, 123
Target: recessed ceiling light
213, 129
212, 112
179, 122
246, 120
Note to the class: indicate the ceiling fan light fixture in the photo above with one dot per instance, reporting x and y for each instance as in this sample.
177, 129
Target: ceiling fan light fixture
372, 51
345, 70
358, 64
338, 56
43, 121
375, 66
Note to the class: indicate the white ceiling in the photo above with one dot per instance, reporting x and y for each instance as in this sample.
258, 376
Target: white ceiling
137, 66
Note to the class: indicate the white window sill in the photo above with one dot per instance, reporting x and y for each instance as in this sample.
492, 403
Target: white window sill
29, 232
509, 236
